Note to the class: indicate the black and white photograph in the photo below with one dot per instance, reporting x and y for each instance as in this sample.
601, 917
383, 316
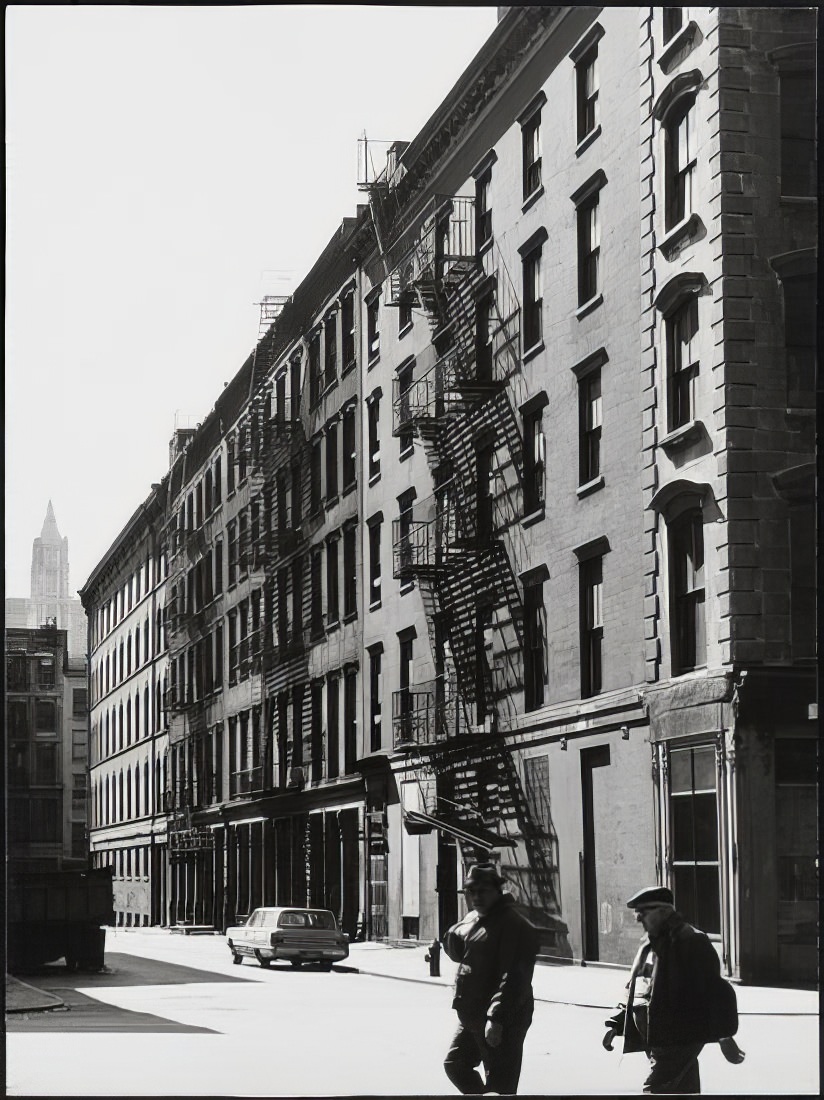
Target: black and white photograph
411, 550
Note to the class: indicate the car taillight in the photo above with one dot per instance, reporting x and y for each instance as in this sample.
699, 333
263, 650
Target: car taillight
275, 939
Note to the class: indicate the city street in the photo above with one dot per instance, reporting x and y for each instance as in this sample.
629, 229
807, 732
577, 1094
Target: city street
180, 1019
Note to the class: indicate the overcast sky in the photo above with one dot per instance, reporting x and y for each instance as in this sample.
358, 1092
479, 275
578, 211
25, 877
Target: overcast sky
165, 168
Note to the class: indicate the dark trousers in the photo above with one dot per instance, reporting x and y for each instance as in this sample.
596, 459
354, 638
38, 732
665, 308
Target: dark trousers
674, 1069
502, 1063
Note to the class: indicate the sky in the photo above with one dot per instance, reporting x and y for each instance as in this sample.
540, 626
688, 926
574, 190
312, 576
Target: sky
166, 167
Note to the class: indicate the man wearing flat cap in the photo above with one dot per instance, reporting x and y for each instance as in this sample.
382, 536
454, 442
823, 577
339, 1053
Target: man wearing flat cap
495, 948
677, 1001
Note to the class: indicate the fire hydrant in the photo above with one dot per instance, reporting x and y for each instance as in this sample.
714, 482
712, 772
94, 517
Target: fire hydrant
433, 957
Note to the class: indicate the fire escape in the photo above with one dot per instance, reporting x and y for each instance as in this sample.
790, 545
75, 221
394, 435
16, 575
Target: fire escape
462, 547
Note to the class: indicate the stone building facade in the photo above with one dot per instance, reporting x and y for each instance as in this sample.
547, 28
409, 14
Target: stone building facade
512, 553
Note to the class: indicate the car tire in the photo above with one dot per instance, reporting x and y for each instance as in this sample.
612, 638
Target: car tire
237, 959
296, 963
325, 966
265, 963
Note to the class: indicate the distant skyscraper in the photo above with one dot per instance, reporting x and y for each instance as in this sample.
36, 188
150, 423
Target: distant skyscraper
50, 597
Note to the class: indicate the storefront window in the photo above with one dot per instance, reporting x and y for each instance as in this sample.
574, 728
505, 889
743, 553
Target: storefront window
694, 836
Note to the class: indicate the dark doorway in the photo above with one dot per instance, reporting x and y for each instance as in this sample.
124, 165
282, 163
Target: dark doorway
597, 757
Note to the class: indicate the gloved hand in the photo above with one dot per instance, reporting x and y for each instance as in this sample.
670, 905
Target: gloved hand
606, 1042
731, 1051
493, 1034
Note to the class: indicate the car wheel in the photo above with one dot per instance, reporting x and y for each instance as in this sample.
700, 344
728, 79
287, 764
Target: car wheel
296, 963
237, 959
265, 963
325, 966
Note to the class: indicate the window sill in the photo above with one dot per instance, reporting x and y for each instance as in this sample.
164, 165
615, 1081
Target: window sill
376, 605
407, 586
373, 360
799, 200
404, 331
682, 40
530, 353
680, 235
347, 489
587, 140
589, 306
405, 454
530, 200
348, 368
534, 517
332, 627
330, 502
683, 436
350, 617
333, 385
590, 487
374, 478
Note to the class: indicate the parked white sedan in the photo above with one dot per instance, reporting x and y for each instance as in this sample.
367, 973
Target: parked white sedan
295, 935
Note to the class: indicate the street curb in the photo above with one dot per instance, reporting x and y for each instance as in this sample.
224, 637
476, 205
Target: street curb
36, 1000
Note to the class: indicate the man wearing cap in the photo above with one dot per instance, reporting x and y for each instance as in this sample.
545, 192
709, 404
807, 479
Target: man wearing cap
673, 981
495, 947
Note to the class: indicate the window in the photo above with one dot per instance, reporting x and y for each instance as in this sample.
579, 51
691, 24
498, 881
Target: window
332, 725
406, 438
798, 131
589, 249
18, 718
532, 296
694, 835
531, 145
484, 492
45, 821
79, 702
348, 330
686, 537
283, 608
331, 461
483, 210
799, 286
316, 489
682, 363
217, 483
673, 19
404, 316
297, 598
330, 341
45, 716
297, 725
406, 642
483, 662
375, 525
591, 579
16, 671
403, 543
45, 670
230, 466
217, 580
45, 764
373, 422
332, 604
375, 695
316, 606
484, 324
534, 460
589, 419
316, 733
373, 336
535, 647
296, 496
349, 448
586, 80
350, 720
680, 163
294, 388
350, 576
234, 551
314, 368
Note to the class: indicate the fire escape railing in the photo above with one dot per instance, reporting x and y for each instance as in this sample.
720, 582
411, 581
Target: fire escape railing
427, 713
443, 254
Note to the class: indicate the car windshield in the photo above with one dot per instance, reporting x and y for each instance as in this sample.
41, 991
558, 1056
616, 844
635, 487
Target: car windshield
307, 918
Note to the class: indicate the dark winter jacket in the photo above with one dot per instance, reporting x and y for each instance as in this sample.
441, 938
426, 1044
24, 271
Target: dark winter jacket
684, 972
496, 957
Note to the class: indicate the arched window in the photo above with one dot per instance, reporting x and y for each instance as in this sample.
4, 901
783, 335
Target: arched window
120, 801
107, 734
129, 655
137, 715
146, 639
128, 721
108, 801
675, 110
108, 671
146, 711
137, 647
121, 653
120, 726
157, 787
146, 787
128, 794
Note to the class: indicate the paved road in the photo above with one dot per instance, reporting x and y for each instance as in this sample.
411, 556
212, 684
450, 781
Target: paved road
181, 1020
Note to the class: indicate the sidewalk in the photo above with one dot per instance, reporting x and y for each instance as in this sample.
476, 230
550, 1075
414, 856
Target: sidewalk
21, 997
583, 986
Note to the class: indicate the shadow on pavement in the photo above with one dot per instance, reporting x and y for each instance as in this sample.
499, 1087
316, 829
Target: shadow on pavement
82, 1013
121, 970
